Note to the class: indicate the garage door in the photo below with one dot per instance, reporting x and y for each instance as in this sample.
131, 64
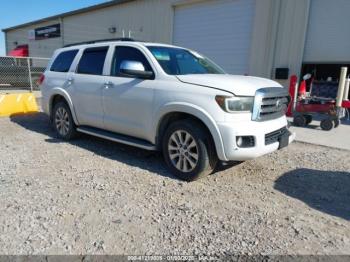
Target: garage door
328, 34
221, 30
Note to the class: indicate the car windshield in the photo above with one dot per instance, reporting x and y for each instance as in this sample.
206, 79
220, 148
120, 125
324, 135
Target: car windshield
177, 61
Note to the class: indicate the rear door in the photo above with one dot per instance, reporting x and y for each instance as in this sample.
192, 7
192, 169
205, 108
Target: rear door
57, 74
87, 84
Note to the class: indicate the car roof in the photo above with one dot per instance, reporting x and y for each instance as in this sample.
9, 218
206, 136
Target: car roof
108, 42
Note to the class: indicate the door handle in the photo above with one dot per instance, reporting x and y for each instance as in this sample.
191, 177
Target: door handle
108, 84
70, 80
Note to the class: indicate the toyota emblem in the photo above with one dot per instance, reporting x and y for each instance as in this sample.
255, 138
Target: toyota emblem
278, 104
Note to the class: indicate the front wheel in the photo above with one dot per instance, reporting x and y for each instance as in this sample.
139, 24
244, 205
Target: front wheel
299, 120
188, 150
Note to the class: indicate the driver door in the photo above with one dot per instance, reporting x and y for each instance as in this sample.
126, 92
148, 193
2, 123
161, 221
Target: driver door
127, 101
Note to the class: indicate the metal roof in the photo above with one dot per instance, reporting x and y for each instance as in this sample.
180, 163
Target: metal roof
74, 12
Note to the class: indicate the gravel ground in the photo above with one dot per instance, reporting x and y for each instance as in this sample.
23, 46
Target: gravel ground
92, 196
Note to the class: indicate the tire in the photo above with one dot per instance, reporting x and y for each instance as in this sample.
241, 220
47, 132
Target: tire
299, 120
336, 123
63, 122
327, 124
188, 150
308, 119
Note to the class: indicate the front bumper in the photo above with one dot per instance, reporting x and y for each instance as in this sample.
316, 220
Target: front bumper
258, 130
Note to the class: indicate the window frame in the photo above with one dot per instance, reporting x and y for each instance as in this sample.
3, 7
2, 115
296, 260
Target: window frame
72, 62
113, 51
104, 47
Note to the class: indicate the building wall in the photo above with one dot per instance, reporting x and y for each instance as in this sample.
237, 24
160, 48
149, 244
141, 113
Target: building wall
328, 39
38, 48
278, 34
264, 37
279, 37
149, 20
291, 35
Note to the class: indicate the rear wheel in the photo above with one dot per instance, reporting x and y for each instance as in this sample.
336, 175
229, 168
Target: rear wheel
188, 150
327, 124
63, 121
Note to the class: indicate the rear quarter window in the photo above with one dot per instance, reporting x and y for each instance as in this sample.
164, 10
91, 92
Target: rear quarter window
63, 61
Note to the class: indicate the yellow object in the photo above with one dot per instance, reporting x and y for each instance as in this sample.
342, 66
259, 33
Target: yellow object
22, 103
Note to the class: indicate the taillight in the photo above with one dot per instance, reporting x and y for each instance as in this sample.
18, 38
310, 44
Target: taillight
41, 79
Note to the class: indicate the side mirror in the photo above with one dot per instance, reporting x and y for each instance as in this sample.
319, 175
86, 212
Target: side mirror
135, 69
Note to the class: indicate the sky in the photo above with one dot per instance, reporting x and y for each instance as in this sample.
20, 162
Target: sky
15, 12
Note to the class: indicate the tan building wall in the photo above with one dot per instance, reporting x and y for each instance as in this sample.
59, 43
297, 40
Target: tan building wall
278, 35
38, 48
149, 20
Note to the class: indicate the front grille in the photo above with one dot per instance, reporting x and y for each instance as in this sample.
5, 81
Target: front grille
270, 103
274, 136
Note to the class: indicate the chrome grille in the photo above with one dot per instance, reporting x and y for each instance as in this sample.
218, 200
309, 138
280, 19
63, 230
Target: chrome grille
270, 103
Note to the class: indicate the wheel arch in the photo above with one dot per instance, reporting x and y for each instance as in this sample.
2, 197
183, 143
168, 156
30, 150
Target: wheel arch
178, 111
59, 94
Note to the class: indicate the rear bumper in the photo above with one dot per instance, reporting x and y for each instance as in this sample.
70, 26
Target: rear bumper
258, 130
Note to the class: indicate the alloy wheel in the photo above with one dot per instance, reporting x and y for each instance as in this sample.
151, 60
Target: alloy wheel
62, 121
183, 151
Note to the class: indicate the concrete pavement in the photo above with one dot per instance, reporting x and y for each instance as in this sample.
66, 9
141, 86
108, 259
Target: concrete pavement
313, 134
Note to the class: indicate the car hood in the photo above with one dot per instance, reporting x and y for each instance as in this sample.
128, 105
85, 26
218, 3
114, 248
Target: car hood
236, 84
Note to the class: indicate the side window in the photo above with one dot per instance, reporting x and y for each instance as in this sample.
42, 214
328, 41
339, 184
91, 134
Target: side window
92, 61
63, 61
123, 53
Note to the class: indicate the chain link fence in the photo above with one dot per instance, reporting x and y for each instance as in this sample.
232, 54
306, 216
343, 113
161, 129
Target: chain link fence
21, 72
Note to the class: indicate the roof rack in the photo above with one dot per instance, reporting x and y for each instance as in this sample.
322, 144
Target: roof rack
126, 39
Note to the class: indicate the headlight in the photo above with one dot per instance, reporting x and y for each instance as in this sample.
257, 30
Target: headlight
236, 103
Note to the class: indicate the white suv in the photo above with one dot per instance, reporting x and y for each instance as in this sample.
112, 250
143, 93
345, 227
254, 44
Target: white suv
166, 98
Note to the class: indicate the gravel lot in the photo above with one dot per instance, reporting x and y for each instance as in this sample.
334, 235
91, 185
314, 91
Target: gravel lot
96, 197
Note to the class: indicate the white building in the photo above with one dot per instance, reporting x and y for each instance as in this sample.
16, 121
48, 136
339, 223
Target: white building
255, 37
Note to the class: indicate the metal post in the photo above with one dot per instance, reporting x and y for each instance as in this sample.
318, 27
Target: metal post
30, 74
62, 30
341, 87
346, 90
296, 90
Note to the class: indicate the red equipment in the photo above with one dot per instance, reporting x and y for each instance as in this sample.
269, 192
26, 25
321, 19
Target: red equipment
346, 104
302, 88
321, 101
20, 51
307, 108
292, 84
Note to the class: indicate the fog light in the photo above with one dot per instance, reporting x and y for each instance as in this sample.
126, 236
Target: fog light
245, 141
